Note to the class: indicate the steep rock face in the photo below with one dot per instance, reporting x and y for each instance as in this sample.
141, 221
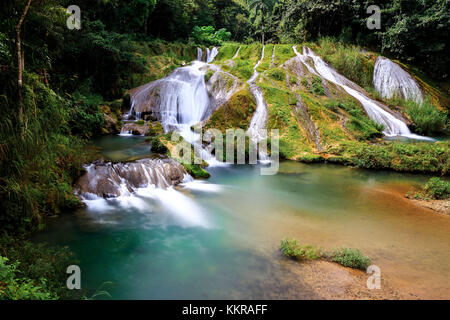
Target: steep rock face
390, 80
111, 180
221, 86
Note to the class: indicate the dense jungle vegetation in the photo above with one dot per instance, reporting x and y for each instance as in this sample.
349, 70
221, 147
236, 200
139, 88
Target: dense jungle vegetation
56, 84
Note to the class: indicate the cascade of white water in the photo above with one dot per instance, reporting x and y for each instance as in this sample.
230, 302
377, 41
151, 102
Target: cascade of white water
199, 54
237, 53
182, 98
256, 129
111, 180
211, 54
392, 125
392, 81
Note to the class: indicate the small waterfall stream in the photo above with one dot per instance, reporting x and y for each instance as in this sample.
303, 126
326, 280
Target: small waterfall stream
257, 131
392, 126
237, 53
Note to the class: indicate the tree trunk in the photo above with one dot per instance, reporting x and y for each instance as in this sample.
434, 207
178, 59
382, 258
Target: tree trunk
20, 62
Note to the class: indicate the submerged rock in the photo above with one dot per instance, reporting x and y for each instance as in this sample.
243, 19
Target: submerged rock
111, 180
137, 129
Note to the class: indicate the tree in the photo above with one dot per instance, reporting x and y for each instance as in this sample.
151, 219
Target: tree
264, 6
20, 63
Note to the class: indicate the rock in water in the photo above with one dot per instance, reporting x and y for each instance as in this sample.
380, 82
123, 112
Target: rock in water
392, 81
111, 180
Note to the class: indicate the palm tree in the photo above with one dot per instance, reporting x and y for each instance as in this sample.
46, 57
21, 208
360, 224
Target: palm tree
263, 6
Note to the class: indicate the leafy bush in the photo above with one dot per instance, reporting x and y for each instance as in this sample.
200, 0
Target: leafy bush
86, 119
34, 271
291, 248
351, 258
346, 257
208, 36
13, 286
156, 145
426, 117
437, 188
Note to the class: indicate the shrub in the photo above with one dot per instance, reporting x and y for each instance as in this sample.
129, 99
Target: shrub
156, 145
437, 188
208, 36
427, 118
34, 271
13, 286
291, 248
351, 258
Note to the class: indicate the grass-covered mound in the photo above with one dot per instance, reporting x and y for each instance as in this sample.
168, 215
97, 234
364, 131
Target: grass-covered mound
235, 113
402, 157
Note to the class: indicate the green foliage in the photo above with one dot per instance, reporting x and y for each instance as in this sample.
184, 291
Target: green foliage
196, 171
15, 287
34, 271
86, 119
397, 156
208, 36
413, 31
359, 123
208, 75
351, 258
156, 145
437, 188
428, 120
277, 74
317, 87
291, 248
348, 60
39, 157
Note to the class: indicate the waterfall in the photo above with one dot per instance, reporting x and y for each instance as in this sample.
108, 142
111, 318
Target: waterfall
272, 63
106, 186
392, 125
257, 131
178, 99
199, 54
392, 81
112, 180
237, 53
211, 54
182, 99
